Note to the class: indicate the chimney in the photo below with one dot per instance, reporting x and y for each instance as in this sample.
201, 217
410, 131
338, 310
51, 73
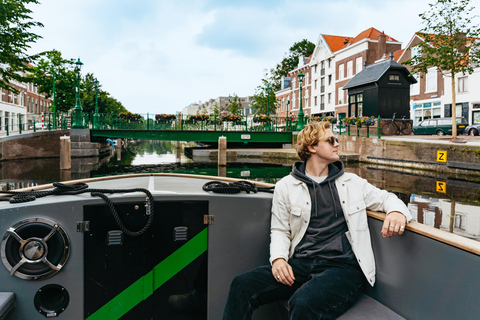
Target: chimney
391, 55
382, 45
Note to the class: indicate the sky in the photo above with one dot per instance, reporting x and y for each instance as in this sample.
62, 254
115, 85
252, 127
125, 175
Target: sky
159, 56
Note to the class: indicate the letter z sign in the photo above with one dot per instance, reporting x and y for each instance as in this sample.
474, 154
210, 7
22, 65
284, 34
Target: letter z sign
441, 156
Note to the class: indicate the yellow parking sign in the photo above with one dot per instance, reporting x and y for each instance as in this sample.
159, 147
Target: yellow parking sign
441, 156
441, 186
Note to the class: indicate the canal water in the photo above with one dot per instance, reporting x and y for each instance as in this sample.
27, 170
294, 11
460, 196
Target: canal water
443, 201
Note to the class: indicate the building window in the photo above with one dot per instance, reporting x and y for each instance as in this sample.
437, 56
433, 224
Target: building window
393, 77
329, 98
316, 68
349, 68
322, 85
322, 68
315, 84
322, 102
415, 87
415, 51
463, 84
358, 65
431, 80
340, 96
341, 72
315, 100
329, 79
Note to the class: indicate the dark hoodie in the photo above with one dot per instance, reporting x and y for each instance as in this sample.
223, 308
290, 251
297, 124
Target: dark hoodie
325, 236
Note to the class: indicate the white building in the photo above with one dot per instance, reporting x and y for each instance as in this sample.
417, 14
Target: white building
24, 107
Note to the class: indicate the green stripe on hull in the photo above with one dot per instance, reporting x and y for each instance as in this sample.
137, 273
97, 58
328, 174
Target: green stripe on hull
143, 288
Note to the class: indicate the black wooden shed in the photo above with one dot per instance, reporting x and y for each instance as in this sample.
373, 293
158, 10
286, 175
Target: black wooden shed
380, 89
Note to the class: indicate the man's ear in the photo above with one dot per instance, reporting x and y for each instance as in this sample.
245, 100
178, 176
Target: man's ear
311, 149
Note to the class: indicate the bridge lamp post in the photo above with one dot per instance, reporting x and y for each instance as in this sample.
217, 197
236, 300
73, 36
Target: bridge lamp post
300, 124
288, 118
96, 115
268, 106
53, 102
77, 111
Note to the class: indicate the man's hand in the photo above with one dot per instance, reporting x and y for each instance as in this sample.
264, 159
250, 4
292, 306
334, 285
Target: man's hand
282, 272
394, 224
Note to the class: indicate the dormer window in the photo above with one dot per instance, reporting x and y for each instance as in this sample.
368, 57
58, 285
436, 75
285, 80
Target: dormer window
394, 77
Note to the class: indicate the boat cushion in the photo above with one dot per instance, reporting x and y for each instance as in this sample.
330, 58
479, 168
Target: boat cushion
7, 303
366, 308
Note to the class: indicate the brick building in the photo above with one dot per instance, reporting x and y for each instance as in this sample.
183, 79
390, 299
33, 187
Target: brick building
431, 97
23, 107
335, 60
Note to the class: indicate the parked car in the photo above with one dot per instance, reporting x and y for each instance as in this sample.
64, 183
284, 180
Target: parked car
473, 129
439, 126
42, 125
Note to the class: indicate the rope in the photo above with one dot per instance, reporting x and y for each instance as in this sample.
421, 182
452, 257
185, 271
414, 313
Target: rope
78, 188
235, 187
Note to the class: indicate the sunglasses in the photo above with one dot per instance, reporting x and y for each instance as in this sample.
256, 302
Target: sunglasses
332, 140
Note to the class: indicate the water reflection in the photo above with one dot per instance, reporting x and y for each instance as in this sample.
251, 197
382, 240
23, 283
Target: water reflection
454, 207
448, 202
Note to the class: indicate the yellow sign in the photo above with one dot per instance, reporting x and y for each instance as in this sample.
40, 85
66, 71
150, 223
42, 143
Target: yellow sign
441, 186
441, 156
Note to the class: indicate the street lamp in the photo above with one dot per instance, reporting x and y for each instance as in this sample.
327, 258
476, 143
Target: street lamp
53, 102
268, 106
288, 117
300, 124
77, 111
268, 100
96, 115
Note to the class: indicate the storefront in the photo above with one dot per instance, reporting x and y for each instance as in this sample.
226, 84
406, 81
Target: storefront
427, 110
476, 113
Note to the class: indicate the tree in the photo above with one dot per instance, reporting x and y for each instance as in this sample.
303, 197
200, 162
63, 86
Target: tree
106, 103
216, 111
290, 62
450, 43
15, 40
259, 100
65, 79
235, 106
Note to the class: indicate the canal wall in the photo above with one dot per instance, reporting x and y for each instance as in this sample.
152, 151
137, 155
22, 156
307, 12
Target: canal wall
46, 144
460, 156
33, 145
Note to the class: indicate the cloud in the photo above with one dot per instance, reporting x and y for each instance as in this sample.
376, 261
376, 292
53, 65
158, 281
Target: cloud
160, 56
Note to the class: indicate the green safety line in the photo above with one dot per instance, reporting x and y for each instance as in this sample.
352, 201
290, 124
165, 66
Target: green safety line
143, 288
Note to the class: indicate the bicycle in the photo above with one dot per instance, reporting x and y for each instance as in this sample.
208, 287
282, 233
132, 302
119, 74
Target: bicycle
390, 127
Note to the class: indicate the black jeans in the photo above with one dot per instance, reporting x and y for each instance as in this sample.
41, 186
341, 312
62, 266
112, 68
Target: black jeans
322, 290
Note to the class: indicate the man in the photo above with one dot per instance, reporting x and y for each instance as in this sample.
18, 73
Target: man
320, 250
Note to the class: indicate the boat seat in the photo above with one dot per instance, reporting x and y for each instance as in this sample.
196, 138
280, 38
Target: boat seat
366, 308
7, 303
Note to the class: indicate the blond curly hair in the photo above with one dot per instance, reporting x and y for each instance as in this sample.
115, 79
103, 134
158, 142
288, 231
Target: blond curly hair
310, 136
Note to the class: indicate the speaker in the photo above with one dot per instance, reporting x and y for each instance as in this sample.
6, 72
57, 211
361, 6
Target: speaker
35, 248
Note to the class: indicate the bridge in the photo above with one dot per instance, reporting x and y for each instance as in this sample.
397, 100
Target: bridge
193, 135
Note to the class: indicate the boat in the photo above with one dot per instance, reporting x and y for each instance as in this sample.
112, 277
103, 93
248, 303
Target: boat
123, 247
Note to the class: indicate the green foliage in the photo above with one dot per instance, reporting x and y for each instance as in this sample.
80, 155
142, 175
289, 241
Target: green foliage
260, 101
290, 61
450, 43
234, 106
449, 36
15, 40
65, 79
106, 103
216, 111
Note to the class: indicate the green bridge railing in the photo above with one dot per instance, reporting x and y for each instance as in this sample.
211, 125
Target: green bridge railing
113, 121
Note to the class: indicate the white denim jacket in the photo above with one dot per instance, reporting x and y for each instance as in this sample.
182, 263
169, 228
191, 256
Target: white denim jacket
291, 209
